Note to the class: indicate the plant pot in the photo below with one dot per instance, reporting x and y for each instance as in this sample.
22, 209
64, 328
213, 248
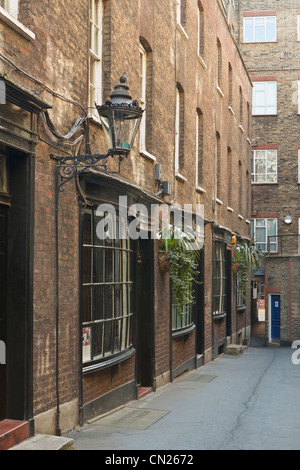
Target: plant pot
235, 267
164, 262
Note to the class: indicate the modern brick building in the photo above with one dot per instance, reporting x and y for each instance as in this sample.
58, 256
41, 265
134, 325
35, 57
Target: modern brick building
269, 38
88, 324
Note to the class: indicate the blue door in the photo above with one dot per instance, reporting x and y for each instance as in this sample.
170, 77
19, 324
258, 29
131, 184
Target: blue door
275, 316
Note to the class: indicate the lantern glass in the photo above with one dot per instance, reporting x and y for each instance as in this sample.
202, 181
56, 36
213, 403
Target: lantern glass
120, 126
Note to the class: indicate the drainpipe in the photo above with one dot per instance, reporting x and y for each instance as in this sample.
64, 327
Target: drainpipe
57, 418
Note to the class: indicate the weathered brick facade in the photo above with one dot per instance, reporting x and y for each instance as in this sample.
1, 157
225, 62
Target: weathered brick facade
54, 65
279, 62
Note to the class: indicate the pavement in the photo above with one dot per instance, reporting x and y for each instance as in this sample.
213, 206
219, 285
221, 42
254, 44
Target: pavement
244, 402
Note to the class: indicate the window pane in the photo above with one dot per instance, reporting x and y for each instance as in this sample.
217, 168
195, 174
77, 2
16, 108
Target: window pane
260, 234
271, 29
98, 305
260, 222
272, 227
271, 93
86, 303
248, 34
87, 265
98, 265
86, 345
259, 31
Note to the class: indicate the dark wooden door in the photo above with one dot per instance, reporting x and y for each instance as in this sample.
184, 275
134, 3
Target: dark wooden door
3, 306
145, 312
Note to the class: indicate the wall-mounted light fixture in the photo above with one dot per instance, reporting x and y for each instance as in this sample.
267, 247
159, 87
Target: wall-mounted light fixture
120, 118
288, 219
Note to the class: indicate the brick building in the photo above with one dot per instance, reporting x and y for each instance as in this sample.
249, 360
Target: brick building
269, 39
67, 361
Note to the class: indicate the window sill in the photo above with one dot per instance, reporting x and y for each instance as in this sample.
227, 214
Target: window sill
240, 217
249, 141
260, 42
230, 209
264, 115
218, 201
16, 25
180, 177
182, 30
184, 331
263, 184
148, 155
241, 308
117, 359
219, 316
200, 190
241, 129
220, 91
200, 59
231, 110
95, 119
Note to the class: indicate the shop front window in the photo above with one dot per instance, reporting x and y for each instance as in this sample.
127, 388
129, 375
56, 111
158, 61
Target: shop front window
107, 288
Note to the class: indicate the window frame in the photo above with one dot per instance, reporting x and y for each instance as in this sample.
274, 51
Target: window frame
265, 226
95, 57
254, 19
106, 290
220, 294
254, 174
266, 105
11, 6
143, 95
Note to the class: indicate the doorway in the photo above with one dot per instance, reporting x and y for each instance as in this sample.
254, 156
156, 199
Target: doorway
145, 314
3, 307
275, 318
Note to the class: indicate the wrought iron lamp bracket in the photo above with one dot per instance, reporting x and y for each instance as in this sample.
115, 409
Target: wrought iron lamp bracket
69, 167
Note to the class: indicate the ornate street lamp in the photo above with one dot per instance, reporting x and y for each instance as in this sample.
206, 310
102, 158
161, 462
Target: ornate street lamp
120, 118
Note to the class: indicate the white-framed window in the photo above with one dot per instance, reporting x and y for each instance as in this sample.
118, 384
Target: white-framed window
264, 166
264, 98
299, 235
143, 88
199, 147
11, 6
177, 131
200, 30
260, 29
95, 54
265, 233
179, 13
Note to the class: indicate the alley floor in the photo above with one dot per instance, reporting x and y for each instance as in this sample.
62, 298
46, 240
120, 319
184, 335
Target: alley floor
246, 402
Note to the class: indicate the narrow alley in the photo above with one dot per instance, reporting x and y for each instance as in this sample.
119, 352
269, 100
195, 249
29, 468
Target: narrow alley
246, 402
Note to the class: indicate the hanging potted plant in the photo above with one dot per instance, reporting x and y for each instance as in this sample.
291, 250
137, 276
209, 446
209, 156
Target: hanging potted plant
236, 262
245, 259
177, 257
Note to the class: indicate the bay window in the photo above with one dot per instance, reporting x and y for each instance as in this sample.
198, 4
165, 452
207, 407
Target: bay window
106, 291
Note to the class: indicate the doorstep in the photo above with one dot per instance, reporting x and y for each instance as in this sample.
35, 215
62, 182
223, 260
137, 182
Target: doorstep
143, 391
12, 432
44, 442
